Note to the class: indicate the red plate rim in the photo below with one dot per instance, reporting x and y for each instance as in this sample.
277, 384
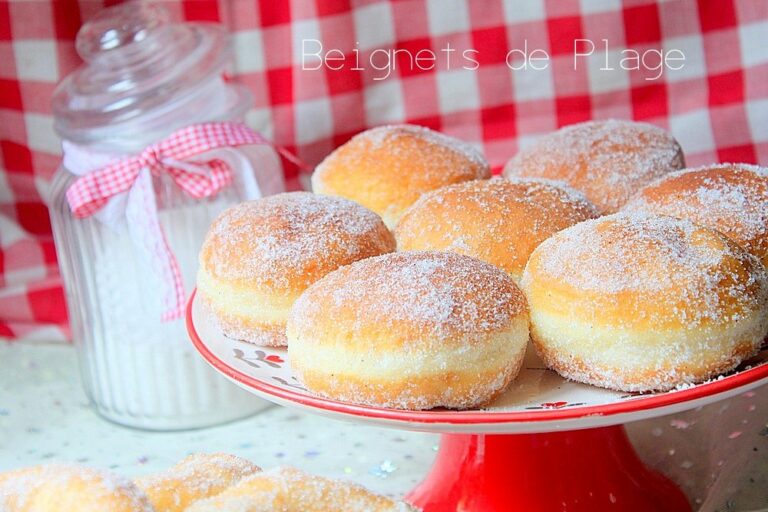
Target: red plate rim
474, 417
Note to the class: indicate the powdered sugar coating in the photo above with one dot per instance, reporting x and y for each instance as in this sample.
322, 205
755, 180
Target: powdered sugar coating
288, 241
381, 136
195, 477
498, 221
638, 302
290, 490
387, 168
83, 489
410, 330
649, 260
608, 160
429, 294
71, 485
732, 198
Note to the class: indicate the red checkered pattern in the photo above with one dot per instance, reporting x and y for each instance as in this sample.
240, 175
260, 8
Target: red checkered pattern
716, 105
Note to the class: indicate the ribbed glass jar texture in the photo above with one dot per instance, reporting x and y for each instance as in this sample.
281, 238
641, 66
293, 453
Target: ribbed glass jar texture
145, 77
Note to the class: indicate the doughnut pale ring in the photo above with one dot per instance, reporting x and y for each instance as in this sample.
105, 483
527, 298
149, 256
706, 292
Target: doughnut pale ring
62, 488
261, 255
410, 330
195, 477
291, 490
731, 198
387, 168
607, 160
636, 302
498, 221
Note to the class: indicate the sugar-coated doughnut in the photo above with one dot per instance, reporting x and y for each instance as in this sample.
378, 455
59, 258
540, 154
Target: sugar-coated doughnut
63, 488
387, 168
410, 330
638, 302
259, 256
291, 490
731, 198
195, 477
199, 483
607, 160
498, 221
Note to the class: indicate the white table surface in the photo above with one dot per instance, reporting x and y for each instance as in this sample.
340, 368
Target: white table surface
719, 454
45, 417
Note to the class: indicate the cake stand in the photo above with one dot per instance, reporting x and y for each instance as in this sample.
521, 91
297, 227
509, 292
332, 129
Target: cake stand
545, 445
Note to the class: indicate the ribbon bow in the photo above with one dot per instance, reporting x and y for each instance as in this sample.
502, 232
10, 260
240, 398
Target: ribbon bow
175, 157
91, 192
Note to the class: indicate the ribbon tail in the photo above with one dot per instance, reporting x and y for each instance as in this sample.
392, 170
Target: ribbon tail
295, 160
146, 231
90, 193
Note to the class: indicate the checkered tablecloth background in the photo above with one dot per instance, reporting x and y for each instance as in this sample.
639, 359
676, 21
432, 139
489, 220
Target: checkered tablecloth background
717, 105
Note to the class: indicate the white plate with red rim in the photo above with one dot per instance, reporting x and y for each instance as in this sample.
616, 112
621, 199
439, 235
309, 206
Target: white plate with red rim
539, 400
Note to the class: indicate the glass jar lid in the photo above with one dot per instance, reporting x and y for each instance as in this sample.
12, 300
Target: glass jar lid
137, 63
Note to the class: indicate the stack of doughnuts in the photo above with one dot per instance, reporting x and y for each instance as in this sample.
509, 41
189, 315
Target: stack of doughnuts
671, 290
259, 256
200, 483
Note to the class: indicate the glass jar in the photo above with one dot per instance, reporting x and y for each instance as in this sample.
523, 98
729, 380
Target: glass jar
145, 77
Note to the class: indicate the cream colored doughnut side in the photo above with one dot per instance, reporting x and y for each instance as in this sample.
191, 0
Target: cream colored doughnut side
411, 330
195, 477
291, 490
420, 376
260, 255
62, 488
641, 360
637, 303
387, 168
246, 314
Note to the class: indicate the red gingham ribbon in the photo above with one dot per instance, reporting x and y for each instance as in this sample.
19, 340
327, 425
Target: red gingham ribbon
91, 192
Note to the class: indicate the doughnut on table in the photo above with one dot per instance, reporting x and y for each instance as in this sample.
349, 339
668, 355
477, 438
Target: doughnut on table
546, 444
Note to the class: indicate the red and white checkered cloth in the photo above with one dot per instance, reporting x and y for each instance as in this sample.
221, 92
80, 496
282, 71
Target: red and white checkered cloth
716, 106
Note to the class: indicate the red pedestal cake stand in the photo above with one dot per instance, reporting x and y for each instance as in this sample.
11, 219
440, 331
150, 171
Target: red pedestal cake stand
546, 445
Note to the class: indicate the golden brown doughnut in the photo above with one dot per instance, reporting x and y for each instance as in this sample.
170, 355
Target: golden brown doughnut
731, 198
387, 168
498, 221
291, 490
410, 330
636, 302
63, 488
259, 256
195, 477
607, 160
